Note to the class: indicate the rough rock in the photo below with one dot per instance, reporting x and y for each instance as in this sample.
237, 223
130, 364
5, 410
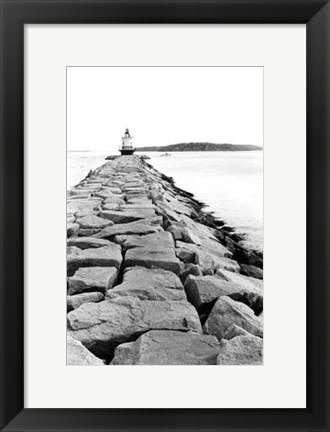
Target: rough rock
245, 256
102, 326
234, 330
139, 227
88, 279
74, 301
71, 229
191, 269
153, 258
87, 242
105, 256
241, 350
160, 240
78, 355
186, 255
208, 262
149, 284
175, 231
94, 222
227, 312
205, 289
158, 347
253, 271
248, 283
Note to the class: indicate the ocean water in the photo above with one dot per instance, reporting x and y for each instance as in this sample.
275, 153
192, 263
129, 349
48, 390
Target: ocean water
229, 183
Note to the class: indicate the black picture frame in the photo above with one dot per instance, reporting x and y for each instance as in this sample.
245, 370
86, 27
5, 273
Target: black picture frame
14, 14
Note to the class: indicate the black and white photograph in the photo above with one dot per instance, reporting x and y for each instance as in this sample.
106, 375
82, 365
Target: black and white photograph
164, 216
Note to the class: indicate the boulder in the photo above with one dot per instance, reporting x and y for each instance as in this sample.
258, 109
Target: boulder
71, 229
159, 240
93, 222
202, 290
247, 283
125, 216
102, 326
227, 312
175, 231
74, 301
245, 256
139, 227
87, 242
149, 284
89, 279
207, 261
241, 350
253, 271
186, 255
78, 355
160, 347
153, 258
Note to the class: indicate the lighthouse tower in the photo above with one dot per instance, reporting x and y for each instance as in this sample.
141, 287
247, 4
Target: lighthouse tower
127, 144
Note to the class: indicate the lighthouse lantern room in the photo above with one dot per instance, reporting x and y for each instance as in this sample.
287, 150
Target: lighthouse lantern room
127, 144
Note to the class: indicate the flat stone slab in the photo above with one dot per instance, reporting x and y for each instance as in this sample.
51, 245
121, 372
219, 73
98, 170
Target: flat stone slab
150, 258
125, 216
241, 350
78, 355
227, 312
139, 201
149, 284
159, 240
84, 204
74, 301
93, 222
88, 279
137, 206
117, 200
106, 256
102, 326
202, 290
87, 242
139, 227
158, 347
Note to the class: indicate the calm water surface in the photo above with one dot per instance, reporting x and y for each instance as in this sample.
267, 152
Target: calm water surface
230, 183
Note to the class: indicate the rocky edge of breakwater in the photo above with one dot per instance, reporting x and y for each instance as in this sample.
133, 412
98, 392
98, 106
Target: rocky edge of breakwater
153, 279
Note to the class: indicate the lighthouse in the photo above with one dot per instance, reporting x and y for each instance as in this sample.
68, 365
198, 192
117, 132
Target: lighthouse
127, 144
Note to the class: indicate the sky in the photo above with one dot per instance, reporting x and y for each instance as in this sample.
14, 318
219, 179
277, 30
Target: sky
163, 105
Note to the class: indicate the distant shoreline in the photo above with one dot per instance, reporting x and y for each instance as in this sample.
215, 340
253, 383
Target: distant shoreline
197, 147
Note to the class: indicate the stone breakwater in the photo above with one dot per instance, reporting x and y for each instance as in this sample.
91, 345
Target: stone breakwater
153, 279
